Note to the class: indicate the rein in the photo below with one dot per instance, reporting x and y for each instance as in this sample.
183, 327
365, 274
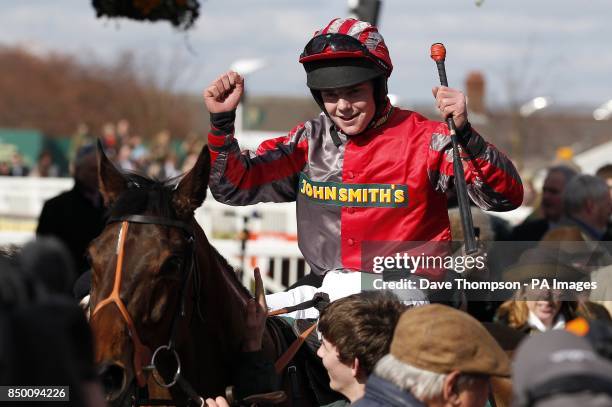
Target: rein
319, 301
143, 360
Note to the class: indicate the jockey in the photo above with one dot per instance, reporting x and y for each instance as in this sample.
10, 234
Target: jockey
364, 171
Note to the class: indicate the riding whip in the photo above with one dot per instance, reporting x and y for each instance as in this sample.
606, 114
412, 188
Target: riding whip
438, 54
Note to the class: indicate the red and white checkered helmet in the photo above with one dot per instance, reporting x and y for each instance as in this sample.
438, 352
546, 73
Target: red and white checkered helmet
344, 53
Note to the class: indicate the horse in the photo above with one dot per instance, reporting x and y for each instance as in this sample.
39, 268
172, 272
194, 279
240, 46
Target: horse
167, 311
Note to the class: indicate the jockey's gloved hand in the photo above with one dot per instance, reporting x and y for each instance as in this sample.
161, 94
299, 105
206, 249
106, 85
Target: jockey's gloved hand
320, 301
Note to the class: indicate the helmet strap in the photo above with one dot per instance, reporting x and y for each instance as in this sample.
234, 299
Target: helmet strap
380, 96
333, 132
334, 135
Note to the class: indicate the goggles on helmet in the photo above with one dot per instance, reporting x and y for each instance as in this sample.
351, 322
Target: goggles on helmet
341, 45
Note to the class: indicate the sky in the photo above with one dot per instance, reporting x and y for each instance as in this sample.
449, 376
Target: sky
525, 48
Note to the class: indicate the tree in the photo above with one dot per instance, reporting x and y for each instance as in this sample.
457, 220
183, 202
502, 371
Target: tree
56, 93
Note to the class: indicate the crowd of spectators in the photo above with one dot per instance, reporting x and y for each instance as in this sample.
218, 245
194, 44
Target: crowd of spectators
159, 156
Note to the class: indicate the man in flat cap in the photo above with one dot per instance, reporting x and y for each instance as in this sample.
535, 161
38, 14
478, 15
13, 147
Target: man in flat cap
439, 356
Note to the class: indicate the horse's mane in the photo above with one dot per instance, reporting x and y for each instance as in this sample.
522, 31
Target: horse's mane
227, 268
148, 194
145, 194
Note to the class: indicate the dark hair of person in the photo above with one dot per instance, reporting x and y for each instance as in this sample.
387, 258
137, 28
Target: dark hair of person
361, 326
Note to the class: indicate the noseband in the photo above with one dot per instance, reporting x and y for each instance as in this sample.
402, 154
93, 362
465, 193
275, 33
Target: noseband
143, 360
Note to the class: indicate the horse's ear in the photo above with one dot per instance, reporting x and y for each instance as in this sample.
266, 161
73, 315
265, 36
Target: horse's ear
191, 191
111, 181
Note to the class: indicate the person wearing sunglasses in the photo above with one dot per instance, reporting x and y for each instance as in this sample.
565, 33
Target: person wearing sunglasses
364, 170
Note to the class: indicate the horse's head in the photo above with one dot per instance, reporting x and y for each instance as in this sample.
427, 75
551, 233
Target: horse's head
141, 266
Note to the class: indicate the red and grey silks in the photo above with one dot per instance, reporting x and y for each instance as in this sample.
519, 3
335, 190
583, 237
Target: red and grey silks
385, 184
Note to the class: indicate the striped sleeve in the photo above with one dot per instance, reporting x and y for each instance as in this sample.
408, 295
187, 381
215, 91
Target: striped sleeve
493, 182
269, 174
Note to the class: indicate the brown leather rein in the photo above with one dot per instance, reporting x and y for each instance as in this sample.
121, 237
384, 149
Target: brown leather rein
143, 360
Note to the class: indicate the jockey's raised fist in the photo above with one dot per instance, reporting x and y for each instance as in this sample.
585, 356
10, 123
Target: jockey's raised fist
224, 93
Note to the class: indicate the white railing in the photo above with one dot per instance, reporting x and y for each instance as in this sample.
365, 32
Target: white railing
269, 255
280, 262
16, 238
23, 197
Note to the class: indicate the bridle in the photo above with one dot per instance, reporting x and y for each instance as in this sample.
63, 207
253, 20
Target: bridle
143, 360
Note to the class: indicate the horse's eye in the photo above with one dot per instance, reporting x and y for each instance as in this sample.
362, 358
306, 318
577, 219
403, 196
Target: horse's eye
171, 265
